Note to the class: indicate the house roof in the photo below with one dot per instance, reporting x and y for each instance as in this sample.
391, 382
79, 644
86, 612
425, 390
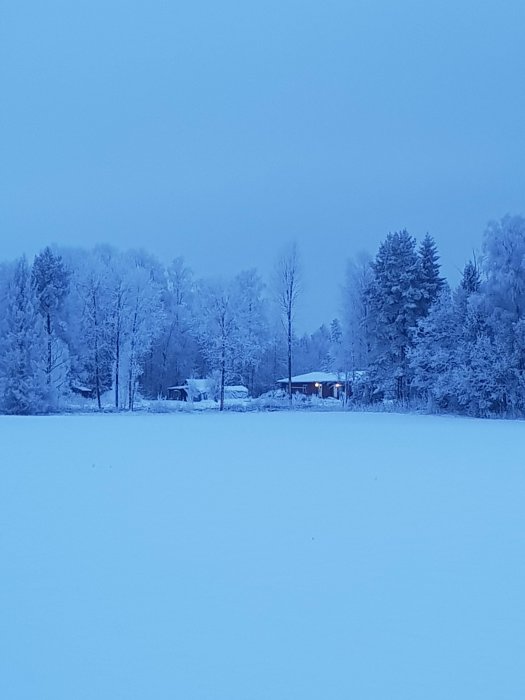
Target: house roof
320, 377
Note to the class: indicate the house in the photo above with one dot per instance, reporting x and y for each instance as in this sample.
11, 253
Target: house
322, 384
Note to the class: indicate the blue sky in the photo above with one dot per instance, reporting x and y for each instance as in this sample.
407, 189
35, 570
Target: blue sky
220, 131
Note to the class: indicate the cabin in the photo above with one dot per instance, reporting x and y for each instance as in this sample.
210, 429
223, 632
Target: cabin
322, 384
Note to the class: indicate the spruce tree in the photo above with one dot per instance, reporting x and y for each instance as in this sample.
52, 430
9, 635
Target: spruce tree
431, 282
50, 280
394, 298
471, 278
22, 373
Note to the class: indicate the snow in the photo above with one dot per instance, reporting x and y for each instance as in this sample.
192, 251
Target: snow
325, 556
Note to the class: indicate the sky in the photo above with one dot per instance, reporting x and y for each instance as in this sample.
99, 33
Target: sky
221, 131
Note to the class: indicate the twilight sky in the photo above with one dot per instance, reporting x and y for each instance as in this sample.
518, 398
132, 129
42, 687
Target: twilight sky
222, 130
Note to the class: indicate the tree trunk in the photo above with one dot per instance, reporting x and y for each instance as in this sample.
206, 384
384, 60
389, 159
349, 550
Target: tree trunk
49, 349
290, 356
223, 374
117, 367
97, 360
131, 361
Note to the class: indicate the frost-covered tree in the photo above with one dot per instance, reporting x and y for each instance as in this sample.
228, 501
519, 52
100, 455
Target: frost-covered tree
357, 314
251, 325
23, 384
394, 299
288, 289
119, 294
174, 355
273, 363
468, 353
50, 279
504, 271
487, 379
435, 357
144, 324
92, 322
337, 358
312, 352
504, 265
503, 309
217, 331
431, 283
51, 283
471, 277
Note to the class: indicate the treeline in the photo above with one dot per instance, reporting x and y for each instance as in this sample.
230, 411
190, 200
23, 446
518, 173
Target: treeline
117, 325
457, 350
120, 325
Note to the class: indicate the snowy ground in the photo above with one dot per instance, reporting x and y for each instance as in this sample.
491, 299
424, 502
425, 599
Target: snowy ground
282, 556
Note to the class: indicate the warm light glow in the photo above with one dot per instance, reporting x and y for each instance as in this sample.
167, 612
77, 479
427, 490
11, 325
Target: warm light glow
317, 384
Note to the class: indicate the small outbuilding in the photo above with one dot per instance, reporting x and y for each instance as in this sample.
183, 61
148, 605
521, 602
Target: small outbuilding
81, 390
192, 390
204, 390
236, 392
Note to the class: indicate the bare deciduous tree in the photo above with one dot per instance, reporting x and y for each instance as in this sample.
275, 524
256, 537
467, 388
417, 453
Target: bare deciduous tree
288, 288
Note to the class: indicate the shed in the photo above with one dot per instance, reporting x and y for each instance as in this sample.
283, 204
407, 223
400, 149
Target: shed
204, 390
236, 392
192, 390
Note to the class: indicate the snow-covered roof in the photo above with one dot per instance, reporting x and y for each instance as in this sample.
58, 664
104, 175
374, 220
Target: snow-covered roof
79, 387
320, 377
240, 388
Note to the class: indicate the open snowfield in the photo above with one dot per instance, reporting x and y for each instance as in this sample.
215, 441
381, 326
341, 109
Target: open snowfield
280, 556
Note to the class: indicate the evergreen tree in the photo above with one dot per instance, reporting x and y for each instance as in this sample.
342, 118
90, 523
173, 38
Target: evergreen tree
50, 280
337, 362
22, 370
471, 278
431, 283
394, 297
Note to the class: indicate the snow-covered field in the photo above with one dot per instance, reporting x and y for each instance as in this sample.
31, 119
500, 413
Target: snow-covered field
281, 556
